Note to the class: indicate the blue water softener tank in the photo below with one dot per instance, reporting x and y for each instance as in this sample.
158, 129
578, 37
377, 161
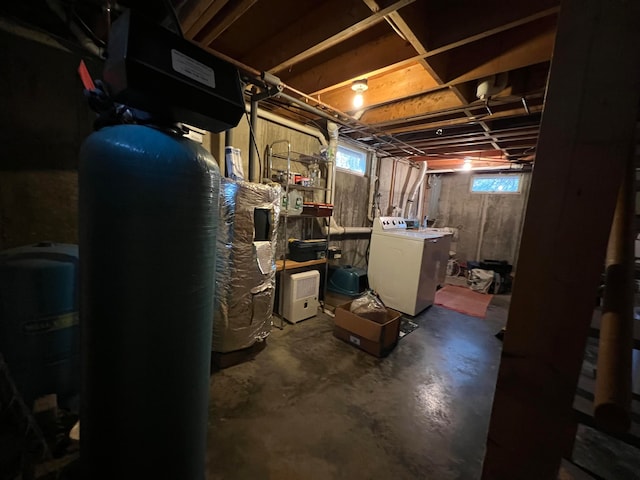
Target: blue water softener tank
39, 335
148, 216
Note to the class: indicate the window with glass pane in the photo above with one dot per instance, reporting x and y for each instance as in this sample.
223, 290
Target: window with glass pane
496, 184
352, 161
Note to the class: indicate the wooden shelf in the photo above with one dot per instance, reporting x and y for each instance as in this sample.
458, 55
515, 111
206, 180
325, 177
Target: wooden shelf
292, 264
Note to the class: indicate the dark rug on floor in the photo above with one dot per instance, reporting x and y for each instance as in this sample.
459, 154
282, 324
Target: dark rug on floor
406, 327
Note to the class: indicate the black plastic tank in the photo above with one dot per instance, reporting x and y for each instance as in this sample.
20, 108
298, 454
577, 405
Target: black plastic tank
148, 215
39, 335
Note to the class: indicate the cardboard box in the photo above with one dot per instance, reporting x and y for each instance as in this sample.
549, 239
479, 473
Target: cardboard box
375, 338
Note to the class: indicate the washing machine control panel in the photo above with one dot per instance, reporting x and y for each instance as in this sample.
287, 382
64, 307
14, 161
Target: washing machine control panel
390, 223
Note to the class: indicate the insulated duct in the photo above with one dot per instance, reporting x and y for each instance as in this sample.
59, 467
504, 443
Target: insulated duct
245, 264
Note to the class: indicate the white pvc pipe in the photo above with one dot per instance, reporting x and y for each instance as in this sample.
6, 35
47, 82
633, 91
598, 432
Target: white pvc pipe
414, 190
331, 183
338, 230
420, 209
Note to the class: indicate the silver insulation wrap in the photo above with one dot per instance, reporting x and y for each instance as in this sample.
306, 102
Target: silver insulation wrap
245, 264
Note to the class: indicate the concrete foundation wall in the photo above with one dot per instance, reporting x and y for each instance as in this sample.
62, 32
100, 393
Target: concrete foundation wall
352, 194
489, 225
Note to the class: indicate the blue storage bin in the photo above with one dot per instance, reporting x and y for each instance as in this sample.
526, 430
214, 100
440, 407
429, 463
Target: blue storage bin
348, 280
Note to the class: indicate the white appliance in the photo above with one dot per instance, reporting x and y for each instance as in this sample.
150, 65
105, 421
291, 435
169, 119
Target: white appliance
301, 296
405, 266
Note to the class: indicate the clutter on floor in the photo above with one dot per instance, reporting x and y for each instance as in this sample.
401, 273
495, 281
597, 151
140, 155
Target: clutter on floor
367, 324
406, 327
490, 276
463, 300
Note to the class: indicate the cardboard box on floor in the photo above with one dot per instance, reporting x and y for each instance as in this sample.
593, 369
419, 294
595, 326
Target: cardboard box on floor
375, 338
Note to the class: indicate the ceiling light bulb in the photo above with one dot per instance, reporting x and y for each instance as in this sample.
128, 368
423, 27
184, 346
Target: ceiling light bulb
358, 100
467, 164
359, 86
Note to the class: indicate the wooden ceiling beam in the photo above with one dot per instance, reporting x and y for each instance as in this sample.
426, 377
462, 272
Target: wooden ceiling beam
476, 113
307, 31
316, 48
531, 44
190, 11
380, 52
432, 125
397, 21
200, 15
384, 88
505, 15
401, 82
414, 106
227, 16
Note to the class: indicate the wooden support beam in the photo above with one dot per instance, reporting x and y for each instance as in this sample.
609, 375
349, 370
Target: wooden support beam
400, 25
312, 25
199, 15
594, 76
314, 49
612, 402
434, 123
354, 60
228, 15
419, 105
471, 25
516, 48
384, 88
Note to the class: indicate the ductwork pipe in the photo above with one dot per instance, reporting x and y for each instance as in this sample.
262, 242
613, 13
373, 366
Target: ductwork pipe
408, 207
333, 228
271, 117
84, 40
338, 230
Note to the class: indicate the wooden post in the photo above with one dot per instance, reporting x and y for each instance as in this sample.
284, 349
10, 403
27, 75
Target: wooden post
586, 135
613, 382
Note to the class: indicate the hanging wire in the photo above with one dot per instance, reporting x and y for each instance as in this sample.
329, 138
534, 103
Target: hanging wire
253, 139
88, 31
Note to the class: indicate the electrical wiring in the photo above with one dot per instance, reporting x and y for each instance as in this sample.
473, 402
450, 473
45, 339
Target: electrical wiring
88, 31
252, 134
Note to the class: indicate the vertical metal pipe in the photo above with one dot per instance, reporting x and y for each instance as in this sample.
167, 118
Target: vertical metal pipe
253, 147
613, 383
228, 142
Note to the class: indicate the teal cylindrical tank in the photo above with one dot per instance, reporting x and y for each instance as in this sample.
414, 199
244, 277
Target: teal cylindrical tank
148, 216
39, 335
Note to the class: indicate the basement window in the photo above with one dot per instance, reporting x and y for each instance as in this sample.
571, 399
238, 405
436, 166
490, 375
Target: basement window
496, 183
351, 160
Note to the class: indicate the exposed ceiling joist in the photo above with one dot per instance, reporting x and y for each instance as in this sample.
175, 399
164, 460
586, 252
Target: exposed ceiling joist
435, 124
509, 50
223, 20
197, 13
339, 37
415, 106
351, 62
453, 24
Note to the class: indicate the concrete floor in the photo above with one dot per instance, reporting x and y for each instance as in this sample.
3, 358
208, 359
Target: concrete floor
313, 407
